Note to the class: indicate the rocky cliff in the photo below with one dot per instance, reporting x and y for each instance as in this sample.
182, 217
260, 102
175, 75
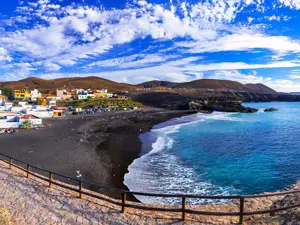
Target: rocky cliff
224, 101
184, 102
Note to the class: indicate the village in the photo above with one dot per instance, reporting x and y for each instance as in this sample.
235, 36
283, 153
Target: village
24, 109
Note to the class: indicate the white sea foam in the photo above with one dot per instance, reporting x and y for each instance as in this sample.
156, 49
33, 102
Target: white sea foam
159, 171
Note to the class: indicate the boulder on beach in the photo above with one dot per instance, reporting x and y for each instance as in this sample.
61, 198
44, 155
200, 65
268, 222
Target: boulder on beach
270, 110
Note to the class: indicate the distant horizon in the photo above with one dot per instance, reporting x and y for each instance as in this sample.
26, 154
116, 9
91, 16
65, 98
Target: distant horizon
134, 41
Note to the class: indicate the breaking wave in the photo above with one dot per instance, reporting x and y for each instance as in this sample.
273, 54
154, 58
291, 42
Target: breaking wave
160, 171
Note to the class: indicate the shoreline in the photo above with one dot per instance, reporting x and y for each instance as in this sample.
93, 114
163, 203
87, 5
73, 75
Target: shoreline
125, 143
100, 146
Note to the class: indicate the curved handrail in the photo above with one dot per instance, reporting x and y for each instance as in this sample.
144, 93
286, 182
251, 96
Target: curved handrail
242, 198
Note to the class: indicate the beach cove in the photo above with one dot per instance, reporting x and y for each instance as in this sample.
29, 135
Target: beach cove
100, 146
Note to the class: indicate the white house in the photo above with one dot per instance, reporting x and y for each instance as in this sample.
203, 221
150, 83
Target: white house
62, 94
9, 121
79, 91
35, 94
18, 109
8, 106
48, 113
24, 105
52, 103
85, 96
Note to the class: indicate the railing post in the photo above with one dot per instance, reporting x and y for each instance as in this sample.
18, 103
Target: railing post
10, 163
50, 179
183, 208
80, 189
242, 200
272, 214
123, 202
28, 169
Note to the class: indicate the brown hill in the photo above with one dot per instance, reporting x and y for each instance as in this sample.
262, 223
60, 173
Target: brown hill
260, 88
68, 83
214, 84
223, 85
97, 82
157, 84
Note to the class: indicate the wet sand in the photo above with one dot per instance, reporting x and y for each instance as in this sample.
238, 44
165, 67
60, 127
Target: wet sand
101, 146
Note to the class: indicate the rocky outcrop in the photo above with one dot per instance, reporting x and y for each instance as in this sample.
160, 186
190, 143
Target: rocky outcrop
207, 104
291, 216
221, 106
270, 110
166, 100
227, 101
255, 97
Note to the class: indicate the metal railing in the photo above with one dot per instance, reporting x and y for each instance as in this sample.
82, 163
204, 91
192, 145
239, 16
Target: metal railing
123, 194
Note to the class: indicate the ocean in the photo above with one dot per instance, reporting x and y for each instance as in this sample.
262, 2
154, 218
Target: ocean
219, 154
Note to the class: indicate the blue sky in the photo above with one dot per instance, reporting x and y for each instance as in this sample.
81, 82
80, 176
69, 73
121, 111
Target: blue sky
250, 41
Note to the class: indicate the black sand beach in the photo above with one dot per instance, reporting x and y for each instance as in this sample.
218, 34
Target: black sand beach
101, 146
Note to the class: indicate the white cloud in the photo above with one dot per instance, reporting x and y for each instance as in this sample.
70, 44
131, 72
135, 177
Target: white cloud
274, 17
240, 66
66, 62
19, 71
293, 4
51, 66
113, 62
185, 70
40, 42
113, 27
280, 85
79, 25
134, 61
237, 76
4, 55
294, 76
244, 41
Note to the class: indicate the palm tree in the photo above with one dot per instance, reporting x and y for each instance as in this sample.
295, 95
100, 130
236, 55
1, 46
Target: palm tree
26, 124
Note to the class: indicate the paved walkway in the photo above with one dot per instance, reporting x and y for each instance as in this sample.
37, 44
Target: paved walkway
30, 201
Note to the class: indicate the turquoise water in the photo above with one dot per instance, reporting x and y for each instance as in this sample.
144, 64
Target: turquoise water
219, 154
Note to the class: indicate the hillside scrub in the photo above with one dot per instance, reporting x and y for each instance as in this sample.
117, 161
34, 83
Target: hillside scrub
100, 103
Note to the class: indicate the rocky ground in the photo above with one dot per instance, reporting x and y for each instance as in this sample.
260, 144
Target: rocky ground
31, 201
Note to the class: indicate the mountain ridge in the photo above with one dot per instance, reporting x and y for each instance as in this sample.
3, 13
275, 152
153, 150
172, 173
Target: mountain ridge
222, 85
93, 82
